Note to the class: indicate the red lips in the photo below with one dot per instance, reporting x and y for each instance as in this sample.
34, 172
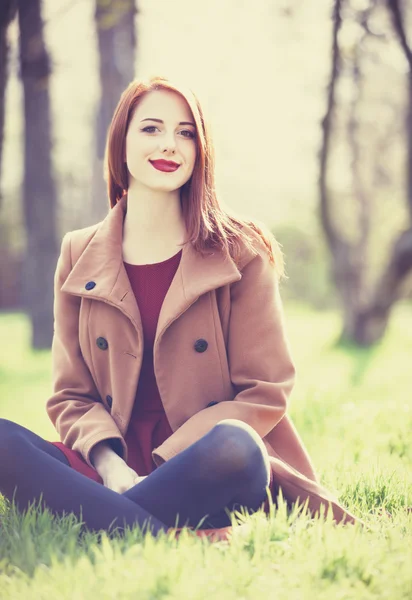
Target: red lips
165, 165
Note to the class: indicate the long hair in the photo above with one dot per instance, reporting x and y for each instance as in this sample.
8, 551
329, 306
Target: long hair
209, 224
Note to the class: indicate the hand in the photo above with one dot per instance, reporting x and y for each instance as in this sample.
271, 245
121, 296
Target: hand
140, 478
119, 477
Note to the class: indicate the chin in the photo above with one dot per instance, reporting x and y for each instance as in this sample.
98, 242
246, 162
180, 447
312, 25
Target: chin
165, 188
170, 185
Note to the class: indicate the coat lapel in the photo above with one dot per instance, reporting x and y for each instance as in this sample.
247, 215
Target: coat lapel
102, 262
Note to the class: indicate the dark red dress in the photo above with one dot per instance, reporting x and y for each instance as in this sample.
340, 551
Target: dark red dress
148, 427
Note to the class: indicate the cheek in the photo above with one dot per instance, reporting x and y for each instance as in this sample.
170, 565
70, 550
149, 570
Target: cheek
190, 162
130, 150
138, 148
191, 154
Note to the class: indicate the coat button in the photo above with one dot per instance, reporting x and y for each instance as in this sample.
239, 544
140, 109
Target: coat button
90, 285
201, 345
212, 404
109, 400
102, 343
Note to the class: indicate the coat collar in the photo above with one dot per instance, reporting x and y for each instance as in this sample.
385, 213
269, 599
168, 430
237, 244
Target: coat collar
102, 262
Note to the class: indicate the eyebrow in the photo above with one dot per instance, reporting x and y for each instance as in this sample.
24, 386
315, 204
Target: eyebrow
160, 121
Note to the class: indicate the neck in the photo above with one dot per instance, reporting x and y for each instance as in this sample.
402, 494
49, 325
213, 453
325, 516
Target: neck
153, 214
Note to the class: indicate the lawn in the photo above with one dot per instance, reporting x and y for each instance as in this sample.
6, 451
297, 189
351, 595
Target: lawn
353, 409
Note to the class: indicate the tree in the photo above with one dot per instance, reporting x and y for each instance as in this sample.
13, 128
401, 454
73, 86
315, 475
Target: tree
365, 313
39, 193
7, 14
114, 21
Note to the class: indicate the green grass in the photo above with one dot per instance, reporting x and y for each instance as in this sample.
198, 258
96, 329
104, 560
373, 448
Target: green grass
353, 409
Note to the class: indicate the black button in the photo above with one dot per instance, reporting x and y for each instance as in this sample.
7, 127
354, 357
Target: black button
212, 404
102, 343
109, 400
201, 345
90, 285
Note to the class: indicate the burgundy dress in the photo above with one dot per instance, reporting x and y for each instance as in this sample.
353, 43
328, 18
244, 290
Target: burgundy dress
148, 427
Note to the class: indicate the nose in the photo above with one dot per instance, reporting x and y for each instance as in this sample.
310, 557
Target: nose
168, 144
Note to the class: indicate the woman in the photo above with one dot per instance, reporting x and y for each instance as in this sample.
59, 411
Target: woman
171, 366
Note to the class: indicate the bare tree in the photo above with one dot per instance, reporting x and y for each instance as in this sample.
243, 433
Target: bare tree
399, 26
365, 315
114, 21
7, 14
39, 193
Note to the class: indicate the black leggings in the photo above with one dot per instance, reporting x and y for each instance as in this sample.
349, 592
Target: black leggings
228, 468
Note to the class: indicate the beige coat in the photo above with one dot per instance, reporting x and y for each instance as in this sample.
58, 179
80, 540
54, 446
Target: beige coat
220, 352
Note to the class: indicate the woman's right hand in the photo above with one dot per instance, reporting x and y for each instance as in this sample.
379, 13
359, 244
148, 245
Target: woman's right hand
111, 467
119, 477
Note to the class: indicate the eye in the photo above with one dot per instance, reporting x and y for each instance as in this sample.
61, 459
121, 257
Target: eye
191, 134
148, 127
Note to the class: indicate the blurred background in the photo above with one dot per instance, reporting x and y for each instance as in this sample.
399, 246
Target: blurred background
310, 108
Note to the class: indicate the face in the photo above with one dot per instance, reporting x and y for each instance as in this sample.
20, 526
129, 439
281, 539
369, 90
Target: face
162, 128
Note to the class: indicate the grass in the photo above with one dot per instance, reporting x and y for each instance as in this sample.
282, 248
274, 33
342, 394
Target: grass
353, 410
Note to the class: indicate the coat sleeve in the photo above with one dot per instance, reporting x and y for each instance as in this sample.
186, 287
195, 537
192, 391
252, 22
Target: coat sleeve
75, 407
260, 363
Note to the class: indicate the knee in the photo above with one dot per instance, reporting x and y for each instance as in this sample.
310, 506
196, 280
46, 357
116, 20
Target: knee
9, 433
237, 444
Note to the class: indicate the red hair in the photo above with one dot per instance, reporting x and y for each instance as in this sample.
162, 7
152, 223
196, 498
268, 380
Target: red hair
208, 223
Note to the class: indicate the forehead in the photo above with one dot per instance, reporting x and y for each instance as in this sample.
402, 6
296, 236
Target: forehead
163, 104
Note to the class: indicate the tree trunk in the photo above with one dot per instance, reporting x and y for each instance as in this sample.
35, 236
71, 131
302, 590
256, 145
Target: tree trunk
115, 30
345, 269
364, 318
373, 319
7, 14
39, 193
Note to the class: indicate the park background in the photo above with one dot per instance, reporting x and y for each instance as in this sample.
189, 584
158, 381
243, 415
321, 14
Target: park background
310, 108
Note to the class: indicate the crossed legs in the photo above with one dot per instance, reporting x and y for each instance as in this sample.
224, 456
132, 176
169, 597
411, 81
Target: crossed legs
226, 469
